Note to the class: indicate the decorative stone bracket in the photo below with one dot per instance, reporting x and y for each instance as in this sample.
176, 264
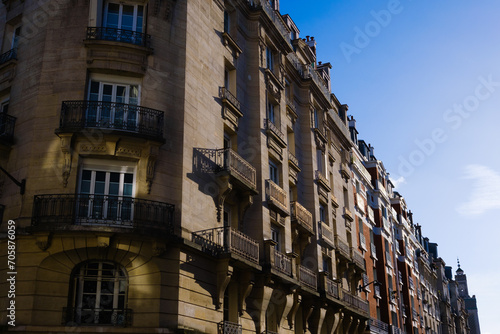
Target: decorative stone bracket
67, 157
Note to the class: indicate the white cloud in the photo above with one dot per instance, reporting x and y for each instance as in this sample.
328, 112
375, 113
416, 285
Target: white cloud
485, 193
399, 181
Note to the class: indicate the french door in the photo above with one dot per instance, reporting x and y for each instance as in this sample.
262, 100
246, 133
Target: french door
106, 197
124, 22
117, 107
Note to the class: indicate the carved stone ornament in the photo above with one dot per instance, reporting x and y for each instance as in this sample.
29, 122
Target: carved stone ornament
67, 157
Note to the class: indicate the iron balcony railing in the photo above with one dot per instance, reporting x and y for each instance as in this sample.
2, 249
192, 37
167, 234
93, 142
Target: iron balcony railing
61, 210
227, 160
342, 247
277, 196
322, 180
227, 327
396, 330
293, 160
326, 234
308, 277
225, 94
354, 301
275, 131
119, 35
97, 316
274, 16
377, 326
7, 123
411, 284
227, 240
332, 288
111, 116
281, 262
357, 258
9, 55
302, 216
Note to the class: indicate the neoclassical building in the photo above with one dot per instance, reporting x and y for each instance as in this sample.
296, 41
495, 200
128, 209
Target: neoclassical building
183, 166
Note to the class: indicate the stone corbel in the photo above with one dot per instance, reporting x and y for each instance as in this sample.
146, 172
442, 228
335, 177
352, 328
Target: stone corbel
245, 202
335, 321
307, 310
246, 285
264, 295
151, 164
224, 273
225, 188
67, 157
347, 323
297, 299
158, 248
43, 241
287, 308
103, 241
319, 320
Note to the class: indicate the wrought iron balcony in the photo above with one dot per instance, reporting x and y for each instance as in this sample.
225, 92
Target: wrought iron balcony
342, 247
111, 116
227, 160
7, 123
362, 240
228, 98
119, 35
275, 133
377, 292
326, 234
9, 55
62, 211
355, 302
222, 240
358, 259
332, 288
308, 277
227, 327
388, 259
280, 262
96, 316
377, 326
322, 181
276, 196
302, 216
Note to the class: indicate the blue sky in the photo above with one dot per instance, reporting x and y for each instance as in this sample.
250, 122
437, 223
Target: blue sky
422, 80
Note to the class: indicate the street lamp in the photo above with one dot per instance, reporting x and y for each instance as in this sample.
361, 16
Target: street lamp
375, 283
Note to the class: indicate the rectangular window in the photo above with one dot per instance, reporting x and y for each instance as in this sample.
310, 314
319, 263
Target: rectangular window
269, 59
122, 16
322, 213
271, 112
275, 236
16, 35
116, 107
274, 172
226, 21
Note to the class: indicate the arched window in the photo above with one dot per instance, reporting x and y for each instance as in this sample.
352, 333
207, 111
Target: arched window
99, 294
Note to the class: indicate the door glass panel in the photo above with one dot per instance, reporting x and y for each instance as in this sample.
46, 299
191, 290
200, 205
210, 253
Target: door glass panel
121, 96
112, 19
127, 17
140, 18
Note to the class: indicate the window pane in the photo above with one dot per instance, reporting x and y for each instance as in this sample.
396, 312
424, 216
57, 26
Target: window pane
94, 91
127, 18
113, 14
140, 20
100, 183
85, 182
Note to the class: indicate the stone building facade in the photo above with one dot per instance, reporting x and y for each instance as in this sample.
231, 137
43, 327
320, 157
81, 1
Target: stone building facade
183, 166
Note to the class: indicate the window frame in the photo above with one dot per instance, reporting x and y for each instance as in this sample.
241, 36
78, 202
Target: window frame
120, 16
80, 280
